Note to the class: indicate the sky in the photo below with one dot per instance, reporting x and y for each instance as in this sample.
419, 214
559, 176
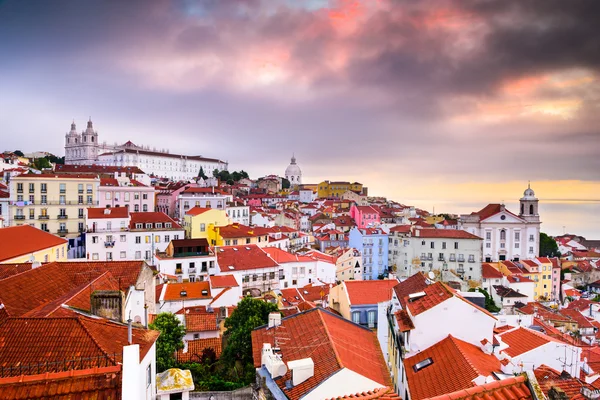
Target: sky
445, 104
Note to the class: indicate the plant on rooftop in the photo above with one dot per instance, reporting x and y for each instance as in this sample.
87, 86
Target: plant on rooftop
169, 341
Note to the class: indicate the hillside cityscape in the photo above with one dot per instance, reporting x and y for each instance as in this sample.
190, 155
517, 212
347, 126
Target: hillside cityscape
299, 200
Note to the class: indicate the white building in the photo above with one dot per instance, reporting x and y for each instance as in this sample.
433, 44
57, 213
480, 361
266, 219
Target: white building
84, 148
188, 259
117, 234
238, 212
293, 173
122, 191
507, 236
201, 197
414, 250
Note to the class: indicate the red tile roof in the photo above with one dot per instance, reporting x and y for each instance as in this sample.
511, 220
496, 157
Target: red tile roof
507, 389
581, 305
404, 321
548, 377
21, 240
239, 231
197, 346
88, 384
313, 292
152, 218
522, 340
102, 213
401, 229
282, 256
115, 182
414, 284
331, 341
50, 341
435, 294
489, 272
200, 322
516, 278
385, 393
8, 270
187, 291
455, 364
197, 211
240, 258
369, 292
222, 281
444, 234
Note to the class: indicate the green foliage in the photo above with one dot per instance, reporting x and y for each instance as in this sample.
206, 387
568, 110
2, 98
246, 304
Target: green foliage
489, 302
285, 184
548, 246
169, 341
230, 178
596, 298
55, 160
201, 174
18, 153
41, 163
249, 314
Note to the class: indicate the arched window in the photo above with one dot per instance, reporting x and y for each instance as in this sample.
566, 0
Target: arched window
522, 208
92, 138
502, 234
531, 209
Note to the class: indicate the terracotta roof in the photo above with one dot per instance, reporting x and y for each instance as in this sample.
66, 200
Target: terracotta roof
489, 272
581, 304
8, 270
239, 231
332, 342
222, 281
401, 229
114, 182
197, 211
207, 190
197, 346
152, 218
504, 291
22, 240
102, 213
385, 393
50, 341
282, 256
455, 364
507, 389
413, 284
435, 294
369, 292
541, 310
488, 211
240, 258
548, 377
522, 340
517, 278
582, 321
314, 293
444, 234
89, 384
404, 321
187, 291
67, 168
200, 322
59, 175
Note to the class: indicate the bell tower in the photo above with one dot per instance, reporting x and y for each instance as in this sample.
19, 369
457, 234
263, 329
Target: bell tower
529, 206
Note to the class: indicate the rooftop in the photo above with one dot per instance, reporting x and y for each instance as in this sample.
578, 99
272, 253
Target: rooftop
152, 218
22, 240
521, 340
239, 258
187, 291
102, 213
369, 292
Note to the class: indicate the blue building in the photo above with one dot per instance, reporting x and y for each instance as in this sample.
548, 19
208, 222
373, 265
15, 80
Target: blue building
373, 245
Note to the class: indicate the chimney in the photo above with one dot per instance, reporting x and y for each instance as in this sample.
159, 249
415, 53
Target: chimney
185, 346
274, 319
302, 370
556, 393
591, 311
129, 331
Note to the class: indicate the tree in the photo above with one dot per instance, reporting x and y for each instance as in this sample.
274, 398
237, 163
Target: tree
285, 184
490, 305
169, 341
18, 153
215, 173
41, 163
249, 314
548, 246
201, 174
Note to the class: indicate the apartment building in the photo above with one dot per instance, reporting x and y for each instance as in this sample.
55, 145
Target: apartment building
54, 203
201, 197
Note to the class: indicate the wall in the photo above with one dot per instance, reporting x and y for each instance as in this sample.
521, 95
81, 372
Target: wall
193, 223
338, 300
239, 394
46, 255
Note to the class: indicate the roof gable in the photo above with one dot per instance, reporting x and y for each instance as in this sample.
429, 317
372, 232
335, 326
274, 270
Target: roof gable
21, 240
369, 292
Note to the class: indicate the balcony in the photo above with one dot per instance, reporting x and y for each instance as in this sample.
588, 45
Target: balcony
62, 232
178, 271
192, 271
191, 254
441, 259
80, 216
452, 258
61, 216
471, 260
109, 244
461, 259
43, 217
19, 217
89, 191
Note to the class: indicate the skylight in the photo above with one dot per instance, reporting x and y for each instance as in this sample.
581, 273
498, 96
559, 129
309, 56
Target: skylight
422, 364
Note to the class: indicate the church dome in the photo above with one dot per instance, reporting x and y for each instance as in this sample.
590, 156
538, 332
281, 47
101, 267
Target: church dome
529, 194
293, 169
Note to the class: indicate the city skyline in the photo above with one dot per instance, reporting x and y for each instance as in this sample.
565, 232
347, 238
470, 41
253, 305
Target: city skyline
436, 103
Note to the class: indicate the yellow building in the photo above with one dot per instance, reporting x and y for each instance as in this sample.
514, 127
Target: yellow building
329, 189
237, 235
197, 221
434, 219
540, 274
54, 203
21, 244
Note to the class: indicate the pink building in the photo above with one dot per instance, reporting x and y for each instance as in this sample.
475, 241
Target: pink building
364, 216
166, 199
122, 191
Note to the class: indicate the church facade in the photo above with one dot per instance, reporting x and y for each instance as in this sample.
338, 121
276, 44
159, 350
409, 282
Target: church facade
507, 236
293, 173
85, 149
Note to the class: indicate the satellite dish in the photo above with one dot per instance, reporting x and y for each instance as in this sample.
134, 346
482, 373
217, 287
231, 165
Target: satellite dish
431, 275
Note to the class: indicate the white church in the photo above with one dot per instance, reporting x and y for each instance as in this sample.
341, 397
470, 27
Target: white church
293, 173
85, 149
507, 236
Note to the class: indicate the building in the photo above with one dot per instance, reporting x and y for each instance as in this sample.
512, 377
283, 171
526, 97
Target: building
187, 259
322, 358
293, 173
84, 148
117, 234
166, 197
413, 250
197, 221
348, 265
373, 245
507, 236
201, 197
121, 191
365, 216
25, 243
236, 234
238, 212
337, 189
357, 300
54, 203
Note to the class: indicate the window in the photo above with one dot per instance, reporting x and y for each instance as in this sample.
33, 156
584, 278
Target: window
372, 317
44, 188
502, 245
145, 207
488, 245
502, 234
148, 226
123, 254
167, 238
145, 196
136, 208
62, 199
148, 254
123, 238
94, 256
63, 188
109, 256
44, 199
433, 245
456, 245
138, 255
138, 239
422, 243
443, 245
488, 236
32, 213
136, 196
107, 195
356, 317
80, 188
157, 239
176, 237
531, 239
149, 375
31, 188
531, 249
147, 239
517, 235
90, 200
94, 239
168, 225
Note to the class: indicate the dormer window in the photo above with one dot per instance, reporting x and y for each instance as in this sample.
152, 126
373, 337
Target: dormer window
168, 225
138, 226
148, 225
158, 225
